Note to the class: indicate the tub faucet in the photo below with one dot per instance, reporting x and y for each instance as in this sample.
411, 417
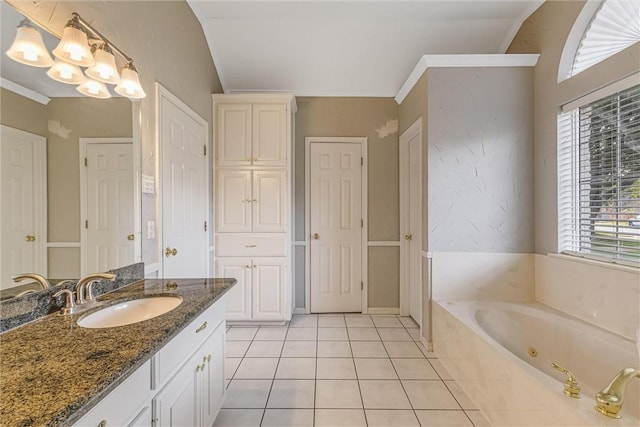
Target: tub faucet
84, 292
34, 276
609, 400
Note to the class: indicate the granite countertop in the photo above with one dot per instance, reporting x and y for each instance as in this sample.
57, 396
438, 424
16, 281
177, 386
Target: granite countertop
52, 371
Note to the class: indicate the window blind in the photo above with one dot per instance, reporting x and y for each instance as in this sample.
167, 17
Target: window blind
599, 178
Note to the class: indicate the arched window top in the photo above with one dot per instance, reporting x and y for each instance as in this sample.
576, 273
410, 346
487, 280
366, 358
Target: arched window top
602, 29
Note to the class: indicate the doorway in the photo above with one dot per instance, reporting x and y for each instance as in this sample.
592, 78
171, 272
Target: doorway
336, 232
411, 221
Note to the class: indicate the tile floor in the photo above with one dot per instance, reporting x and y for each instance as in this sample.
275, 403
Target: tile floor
339, 370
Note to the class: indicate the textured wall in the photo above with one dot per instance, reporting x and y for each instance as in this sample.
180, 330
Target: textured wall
480, 136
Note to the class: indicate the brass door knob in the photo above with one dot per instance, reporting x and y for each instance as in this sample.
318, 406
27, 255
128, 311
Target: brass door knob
174, 252
408, 237
168, 251
131, 237
315, 236
30, 238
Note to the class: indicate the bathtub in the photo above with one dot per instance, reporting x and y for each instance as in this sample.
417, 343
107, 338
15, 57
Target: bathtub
501, 352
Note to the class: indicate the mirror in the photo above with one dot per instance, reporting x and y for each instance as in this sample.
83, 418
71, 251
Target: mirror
62, 216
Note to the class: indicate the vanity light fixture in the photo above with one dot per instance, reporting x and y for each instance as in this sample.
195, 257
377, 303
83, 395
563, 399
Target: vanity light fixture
81, 46
28, 47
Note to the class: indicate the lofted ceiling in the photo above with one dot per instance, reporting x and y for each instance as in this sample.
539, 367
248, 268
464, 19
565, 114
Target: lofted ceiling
347, 48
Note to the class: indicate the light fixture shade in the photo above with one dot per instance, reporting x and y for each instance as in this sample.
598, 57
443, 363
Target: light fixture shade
74, 46
105, 69
64, 72
94, 89
130, 83
28, 47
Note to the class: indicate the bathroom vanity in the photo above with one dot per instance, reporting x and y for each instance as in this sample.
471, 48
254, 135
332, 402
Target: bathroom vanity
168, 370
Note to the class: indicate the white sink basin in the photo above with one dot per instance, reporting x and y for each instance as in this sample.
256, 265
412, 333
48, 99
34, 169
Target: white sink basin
128, 312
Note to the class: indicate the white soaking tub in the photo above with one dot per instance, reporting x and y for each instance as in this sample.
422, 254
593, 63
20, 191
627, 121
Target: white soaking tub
488, 346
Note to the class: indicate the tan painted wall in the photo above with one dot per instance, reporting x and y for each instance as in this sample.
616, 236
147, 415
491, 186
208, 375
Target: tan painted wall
375, 118
545, 32
19, 112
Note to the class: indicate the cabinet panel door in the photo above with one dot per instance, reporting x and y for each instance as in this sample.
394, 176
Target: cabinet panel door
234, 201
238, 298
269, 197
213, 383
234, 134
268, 288
176, 404
269, 135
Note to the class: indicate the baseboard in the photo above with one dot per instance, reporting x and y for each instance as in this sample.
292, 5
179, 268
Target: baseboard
299, 310
428, 345
383, 310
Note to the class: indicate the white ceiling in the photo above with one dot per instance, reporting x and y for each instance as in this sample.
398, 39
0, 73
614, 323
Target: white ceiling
347, 48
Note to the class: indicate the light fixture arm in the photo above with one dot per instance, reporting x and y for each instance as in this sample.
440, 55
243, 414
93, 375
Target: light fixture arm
96, 33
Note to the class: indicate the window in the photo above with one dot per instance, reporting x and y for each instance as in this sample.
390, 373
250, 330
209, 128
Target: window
599, 178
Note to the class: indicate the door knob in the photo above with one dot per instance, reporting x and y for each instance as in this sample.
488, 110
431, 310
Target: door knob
168, 252
131, 237
174, 252
30, 238
315, 236
408, 237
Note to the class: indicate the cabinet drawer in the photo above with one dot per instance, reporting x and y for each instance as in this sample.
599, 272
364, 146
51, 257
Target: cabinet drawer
173, 355
254, 244
122, 403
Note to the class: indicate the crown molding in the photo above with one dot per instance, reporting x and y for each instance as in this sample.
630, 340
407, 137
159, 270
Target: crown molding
21, 90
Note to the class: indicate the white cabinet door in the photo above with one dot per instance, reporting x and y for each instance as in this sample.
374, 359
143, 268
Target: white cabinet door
269, 201
176, 404
269, 135
234, 201
238, 298
268, 288
234, 135
212, 376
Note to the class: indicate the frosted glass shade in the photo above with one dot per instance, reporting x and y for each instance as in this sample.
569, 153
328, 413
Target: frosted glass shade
94, 89
28, 47
130, 83
64, 72
74, 47
105, 68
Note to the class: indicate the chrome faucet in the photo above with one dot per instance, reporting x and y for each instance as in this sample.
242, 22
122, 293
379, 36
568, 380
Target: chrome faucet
609, 400
34, 276
84, 290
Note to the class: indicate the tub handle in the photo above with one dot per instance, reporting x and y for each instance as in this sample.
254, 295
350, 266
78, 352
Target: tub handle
571, 386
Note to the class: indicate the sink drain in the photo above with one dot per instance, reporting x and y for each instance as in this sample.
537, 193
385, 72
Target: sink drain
532, 352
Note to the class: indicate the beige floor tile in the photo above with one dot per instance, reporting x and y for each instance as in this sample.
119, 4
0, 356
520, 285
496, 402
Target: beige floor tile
460, 395
230, 366
443, 419
368, 349
391, 418
394, 334
383, 394
335, 369
288, 418
375, 369
414, 333
247, 394
302, 334
386, 321
256, 369
398, 349
271, 333
265, 349
429, 394
333, 349
292, 394
239, 418
340, 418
363, 334
358, 321
332, 334
414, 369
240, 333
236, 348
299, 349
296, 368
478, 419
440, 369
428, 354
331, 321
408, 322
304, 321
337, 394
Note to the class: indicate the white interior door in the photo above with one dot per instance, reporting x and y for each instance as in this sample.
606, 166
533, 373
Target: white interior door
335, 223
184, 189
22, 204
110, 230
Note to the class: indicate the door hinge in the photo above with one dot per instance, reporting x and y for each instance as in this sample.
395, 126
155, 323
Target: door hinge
362, 223
361, 161
86, 223
205, 226
361, 286
205, 150
86, 162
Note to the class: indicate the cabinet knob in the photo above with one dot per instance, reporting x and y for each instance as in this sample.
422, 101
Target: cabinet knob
102, 423
30, 238
250, 246
315, 236
408, 237
247, 266
131, 237
209, 358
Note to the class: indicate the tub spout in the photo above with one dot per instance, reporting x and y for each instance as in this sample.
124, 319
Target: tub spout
609, 400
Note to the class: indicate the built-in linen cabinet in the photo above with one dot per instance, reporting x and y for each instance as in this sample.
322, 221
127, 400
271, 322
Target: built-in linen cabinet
253, 203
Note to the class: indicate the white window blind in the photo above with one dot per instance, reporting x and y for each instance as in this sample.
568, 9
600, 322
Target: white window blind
599, 178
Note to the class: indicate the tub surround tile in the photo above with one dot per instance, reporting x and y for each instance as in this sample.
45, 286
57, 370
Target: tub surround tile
460, 395
53, 403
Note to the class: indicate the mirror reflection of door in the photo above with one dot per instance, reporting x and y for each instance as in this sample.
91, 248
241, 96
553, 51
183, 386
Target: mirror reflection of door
107, 199
22, 204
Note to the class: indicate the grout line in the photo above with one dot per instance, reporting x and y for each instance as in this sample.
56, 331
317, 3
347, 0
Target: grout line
273, 380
